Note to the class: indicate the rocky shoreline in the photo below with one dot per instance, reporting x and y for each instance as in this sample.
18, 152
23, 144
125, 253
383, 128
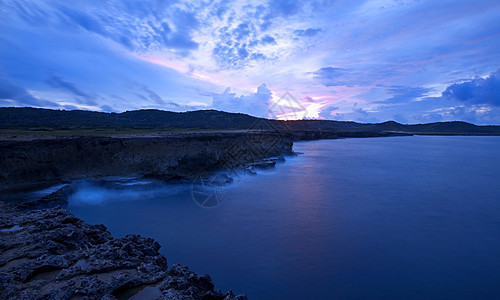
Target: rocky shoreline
27, 163
47, 253
50, 254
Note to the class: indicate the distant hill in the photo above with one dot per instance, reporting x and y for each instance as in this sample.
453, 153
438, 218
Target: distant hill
150, 118
441, 128
27, 118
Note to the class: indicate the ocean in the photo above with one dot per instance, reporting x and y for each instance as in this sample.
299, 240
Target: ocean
399, 217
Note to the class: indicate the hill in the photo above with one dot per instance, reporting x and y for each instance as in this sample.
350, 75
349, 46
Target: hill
32, 118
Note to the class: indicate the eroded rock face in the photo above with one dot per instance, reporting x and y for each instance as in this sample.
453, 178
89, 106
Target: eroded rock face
187, 156
50, 254
181, 283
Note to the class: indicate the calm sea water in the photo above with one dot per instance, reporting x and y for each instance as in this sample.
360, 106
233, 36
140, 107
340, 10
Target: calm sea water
402, 217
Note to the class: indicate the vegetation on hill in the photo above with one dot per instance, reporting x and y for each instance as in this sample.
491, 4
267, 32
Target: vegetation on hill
38, 119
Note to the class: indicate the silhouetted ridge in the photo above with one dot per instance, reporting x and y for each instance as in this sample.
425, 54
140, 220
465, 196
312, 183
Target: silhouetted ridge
11, 117
150, 118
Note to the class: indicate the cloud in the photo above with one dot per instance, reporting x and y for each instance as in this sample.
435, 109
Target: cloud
256, 104
180, 41
232, 57
307, 32
404, 93
237, 46
476, 91
327, 112
70, 107
83, 20
400, 119
255, 32
358, 114
330, 76
82, 96
152, 96
284, 8
136, 26
360, 110
278, 9
474, 114
107, 108
267, 39
320, 48
242, 31
14, 95
256, 56
81, 70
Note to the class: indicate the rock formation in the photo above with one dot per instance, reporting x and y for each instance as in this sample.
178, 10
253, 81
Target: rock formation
188, 156
50, 254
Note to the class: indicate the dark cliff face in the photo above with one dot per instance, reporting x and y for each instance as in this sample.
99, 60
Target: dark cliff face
165, 158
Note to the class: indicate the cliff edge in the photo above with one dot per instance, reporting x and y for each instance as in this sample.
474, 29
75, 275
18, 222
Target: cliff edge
38, 161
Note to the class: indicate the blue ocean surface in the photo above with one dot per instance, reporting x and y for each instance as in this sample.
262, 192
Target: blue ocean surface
374, 218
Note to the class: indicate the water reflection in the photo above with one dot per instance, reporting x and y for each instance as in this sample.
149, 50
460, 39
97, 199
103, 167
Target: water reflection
409, 217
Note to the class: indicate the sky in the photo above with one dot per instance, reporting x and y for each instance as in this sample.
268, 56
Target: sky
367, 61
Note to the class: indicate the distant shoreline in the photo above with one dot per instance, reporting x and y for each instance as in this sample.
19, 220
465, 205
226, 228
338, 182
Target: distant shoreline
141, 121
16, 135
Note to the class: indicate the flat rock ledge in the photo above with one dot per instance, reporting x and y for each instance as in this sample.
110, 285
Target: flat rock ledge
51, 254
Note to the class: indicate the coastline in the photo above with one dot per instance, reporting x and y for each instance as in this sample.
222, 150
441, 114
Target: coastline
47, 254
56, 256
186, 156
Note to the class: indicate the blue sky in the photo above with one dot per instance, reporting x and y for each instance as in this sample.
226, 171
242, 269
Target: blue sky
367, 61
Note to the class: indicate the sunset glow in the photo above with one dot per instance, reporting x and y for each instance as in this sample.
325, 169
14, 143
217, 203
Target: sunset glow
367, 61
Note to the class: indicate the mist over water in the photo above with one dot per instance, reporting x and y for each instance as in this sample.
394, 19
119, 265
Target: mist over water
121, 190
403, 217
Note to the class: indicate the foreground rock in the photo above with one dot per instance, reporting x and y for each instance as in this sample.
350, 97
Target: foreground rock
50, 254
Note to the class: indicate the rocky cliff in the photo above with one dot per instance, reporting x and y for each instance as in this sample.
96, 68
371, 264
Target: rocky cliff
50, 254
178, 156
